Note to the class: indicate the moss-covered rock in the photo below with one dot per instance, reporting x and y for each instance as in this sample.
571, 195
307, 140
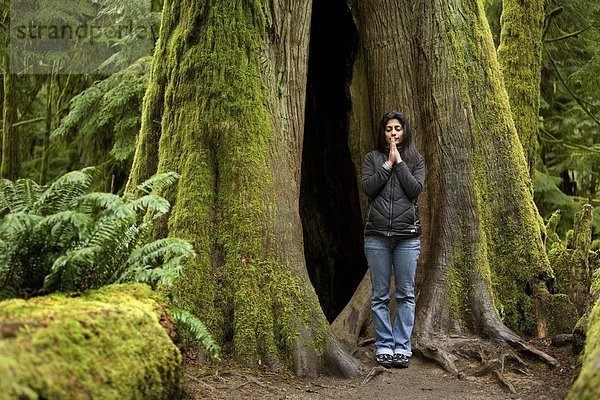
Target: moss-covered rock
105, 344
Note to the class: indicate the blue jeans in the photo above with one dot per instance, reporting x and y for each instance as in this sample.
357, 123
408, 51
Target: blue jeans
384, 255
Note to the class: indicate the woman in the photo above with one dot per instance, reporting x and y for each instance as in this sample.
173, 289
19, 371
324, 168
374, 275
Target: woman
393, 177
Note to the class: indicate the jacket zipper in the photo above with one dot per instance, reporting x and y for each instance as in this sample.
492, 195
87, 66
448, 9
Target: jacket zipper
389, 233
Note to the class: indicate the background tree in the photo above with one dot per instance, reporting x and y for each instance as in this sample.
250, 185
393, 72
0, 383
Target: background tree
570, 150
520, 57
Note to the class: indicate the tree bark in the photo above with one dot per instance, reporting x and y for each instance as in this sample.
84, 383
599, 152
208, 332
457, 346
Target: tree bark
226, 106
47, 128
520, 57
481, 244
10, 140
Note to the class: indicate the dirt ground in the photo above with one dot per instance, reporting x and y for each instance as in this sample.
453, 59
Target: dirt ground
422, 380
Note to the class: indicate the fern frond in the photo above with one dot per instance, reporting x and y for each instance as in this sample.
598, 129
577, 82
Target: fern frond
158, 182
198, 330
68, 268
56, 224
65, 239
65, 191
161, 249
102, 200
107, 234
15, 223
6, 195
158, 262
18, 196
26, 193
157, 205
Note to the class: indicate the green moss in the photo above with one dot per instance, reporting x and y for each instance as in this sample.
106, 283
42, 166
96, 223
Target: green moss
587, 384
520, 57
105, 344
570, 261
595, 287
562, 315
551, 235
458, 279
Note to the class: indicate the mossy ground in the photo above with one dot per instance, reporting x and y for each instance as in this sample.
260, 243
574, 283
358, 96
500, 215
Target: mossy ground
105, 344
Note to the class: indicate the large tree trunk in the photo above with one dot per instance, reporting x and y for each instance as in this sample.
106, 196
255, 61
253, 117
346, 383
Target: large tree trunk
482, 249
226, 103
520, 56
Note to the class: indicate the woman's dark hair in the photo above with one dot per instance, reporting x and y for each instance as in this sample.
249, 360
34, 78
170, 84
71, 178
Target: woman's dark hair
408, 151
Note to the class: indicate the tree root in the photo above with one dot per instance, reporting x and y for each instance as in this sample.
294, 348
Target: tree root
478, 357
374, 372
519, 344
335, 360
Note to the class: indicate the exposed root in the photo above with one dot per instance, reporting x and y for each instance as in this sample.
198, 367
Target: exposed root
502, 379
443, 358
374, 372
519, 344
337, 361
478, 357
200, 381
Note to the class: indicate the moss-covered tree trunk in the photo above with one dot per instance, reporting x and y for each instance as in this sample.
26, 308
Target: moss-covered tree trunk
482, 252
485, 242
226, 107
520, 56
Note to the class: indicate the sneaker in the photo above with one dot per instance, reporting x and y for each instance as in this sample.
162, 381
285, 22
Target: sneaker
385, 360
400, 361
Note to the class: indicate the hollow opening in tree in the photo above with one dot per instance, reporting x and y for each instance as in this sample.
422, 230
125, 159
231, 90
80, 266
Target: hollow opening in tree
329, 197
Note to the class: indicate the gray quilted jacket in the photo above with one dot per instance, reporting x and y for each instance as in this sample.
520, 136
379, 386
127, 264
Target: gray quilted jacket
392, 196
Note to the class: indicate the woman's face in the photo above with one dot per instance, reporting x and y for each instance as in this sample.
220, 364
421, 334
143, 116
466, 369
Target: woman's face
394, 129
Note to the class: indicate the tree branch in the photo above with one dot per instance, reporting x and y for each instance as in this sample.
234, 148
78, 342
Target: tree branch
568, 35
29, 121
569, 145
575, 97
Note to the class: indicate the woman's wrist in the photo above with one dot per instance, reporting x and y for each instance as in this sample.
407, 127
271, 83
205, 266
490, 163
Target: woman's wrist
387, 165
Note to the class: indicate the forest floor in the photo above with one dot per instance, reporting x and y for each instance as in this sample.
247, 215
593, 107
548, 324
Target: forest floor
422, 380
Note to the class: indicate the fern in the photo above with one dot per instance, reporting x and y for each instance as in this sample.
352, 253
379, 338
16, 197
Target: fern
158, 262
59, 237
197, 329
158, 182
